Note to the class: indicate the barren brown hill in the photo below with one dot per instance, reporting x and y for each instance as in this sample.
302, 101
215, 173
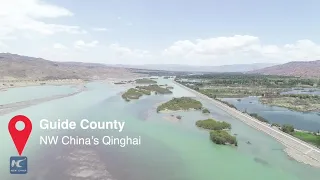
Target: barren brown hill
295, 68
14, 66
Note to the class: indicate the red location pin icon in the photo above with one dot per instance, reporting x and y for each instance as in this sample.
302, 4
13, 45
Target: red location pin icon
20, 137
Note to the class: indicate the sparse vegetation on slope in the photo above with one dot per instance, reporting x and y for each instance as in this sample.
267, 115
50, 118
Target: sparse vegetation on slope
17, 67
295, 68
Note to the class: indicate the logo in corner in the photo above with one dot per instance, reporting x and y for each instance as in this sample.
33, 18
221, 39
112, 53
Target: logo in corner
18, 165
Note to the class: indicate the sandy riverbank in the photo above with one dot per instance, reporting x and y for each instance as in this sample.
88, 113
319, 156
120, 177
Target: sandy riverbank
6, 84
11, 107
77, 83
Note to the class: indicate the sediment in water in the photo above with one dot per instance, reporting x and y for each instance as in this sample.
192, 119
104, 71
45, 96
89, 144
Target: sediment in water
11, 107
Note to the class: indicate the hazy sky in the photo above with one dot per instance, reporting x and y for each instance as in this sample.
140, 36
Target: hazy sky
197, 32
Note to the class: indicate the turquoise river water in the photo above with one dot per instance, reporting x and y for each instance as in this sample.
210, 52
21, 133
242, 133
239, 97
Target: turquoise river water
169, 150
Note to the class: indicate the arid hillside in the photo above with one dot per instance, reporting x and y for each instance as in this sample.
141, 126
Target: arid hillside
14, 66
295, 68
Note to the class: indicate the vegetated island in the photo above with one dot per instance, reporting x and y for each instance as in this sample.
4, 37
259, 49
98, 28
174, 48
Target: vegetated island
223, 137
155, 88
297, 102
218, 133
137, 92
145, 81
133, 93
213, 124
166, 86
182, 103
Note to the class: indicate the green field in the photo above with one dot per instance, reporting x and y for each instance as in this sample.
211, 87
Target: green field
308, 137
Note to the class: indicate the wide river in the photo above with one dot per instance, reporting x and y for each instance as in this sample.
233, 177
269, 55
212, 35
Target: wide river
168, 151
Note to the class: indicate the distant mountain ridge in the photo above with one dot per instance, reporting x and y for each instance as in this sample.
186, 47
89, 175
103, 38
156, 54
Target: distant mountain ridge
13, 66
190, 68
294, 68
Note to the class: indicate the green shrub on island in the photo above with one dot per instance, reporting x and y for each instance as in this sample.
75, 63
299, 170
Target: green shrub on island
132, 93
145, 81
205, 111
213, 125
144, 91
136, 93
223, 137
155, 88
183, 103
